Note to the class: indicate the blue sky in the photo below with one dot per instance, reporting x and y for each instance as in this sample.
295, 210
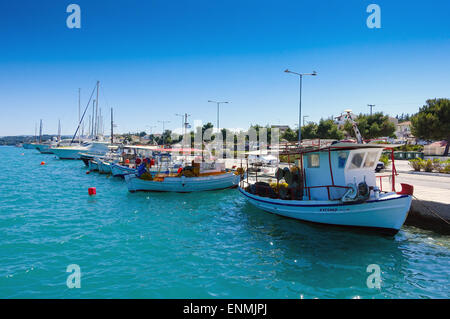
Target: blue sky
158, 58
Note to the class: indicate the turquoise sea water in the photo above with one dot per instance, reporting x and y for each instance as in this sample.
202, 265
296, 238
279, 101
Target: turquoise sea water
204, 245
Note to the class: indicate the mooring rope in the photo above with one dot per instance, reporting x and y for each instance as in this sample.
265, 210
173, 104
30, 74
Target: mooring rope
420, 201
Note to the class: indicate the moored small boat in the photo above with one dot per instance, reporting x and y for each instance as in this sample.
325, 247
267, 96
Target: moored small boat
207, 177
74, 152
334, 185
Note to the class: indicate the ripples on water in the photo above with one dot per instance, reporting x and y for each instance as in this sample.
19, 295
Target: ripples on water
204, 245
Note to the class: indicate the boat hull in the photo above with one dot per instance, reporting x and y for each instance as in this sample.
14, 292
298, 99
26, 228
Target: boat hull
104, 167
44, 149
67, 153
386, 214
183, 184
120, 171
93, 166
29, 146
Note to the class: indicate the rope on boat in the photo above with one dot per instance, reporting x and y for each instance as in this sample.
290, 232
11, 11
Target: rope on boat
432, 211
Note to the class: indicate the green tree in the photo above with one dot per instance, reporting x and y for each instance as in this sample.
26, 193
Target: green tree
309, 131
208, 125
433, 121
290, 135
327, 129
372, 126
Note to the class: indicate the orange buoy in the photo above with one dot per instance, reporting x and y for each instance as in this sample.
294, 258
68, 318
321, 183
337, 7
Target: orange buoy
87, 172
127, 161
92, 191
42, 163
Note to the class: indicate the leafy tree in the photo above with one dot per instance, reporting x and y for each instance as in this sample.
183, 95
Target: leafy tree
327, 129
142, 134
290, 135
403, 118
208, 125
309, 131
433, 121
165, 138
372, 126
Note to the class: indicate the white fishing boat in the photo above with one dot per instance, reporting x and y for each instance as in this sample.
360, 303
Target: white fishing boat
334, 185
162, 161
196, 178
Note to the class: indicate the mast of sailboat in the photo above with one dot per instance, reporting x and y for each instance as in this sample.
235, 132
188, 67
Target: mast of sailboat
82, 117
35, 132
112, 127
100, 122
96, 112
59, 131
93, 120
79, 114
40, 133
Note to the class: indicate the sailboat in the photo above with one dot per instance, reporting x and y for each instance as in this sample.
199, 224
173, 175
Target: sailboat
203, 176
94, 148
35, 144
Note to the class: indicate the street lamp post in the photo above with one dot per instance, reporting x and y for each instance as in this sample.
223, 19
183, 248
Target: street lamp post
218, 104
304, 116
314, 73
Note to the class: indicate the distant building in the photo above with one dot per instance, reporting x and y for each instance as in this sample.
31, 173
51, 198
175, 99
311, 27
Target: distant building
403, 131
435, 149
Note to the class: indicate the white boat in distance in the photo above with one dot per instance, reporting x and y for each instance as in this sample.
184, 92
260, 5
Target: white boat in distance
74, 152
335, 185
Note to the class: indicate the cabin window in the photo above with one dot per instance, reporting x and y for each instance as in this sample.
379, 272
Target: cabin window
342, 159
370, 159
357, 160
313, 161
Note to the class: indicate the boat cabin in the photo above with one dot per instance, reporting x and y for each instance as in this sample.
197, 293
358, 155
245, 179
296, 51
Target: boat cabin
328, 171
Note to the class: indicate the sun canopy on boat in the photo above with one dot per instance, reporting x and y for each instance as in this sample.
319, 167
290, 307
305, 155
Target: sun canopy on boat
340, 145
